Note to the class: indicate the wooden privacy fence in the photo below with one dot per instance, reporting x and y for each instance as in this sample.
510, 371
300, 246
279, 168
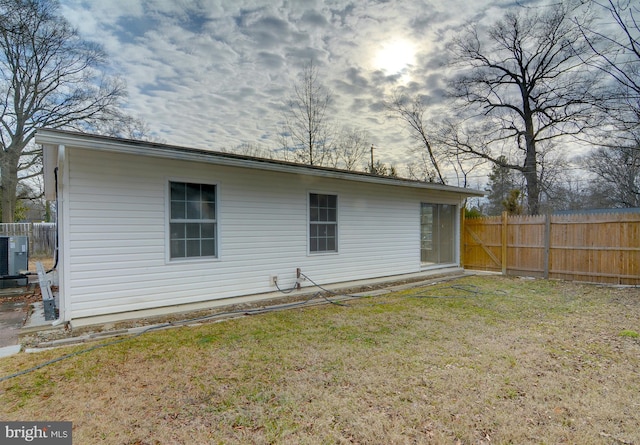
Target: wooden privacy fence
42, 236
603, 248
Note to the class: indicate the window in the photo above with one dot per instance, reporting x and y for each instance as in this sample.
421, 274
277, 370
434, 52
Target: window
192, 220
323, 223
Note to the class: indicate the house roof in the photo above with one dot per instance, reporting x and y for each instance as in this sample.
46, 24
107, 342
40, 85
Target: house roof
55, 138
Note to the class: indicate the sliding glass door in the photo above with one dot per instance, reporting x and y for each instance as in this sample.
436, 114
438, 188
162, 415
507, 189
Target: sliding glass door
437, 233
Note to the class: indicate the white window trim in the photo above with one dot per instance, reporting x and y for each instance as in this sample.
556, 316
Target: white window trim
167, 229
308, 210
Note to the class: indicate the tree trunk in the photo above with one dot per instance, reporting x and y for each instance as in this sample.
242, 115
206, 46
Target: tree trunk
9, 183
531, 159
530, 173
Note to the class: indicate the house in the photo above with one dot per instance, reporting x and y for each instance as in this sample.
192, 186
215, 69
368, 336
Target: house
148, 229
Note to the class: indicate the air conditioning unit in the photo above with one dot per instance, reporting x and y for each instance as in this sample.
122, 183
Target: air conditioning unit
14, 255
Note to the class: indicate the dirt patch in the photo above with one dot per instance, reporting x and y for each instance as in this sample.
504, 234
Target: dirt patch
47, 262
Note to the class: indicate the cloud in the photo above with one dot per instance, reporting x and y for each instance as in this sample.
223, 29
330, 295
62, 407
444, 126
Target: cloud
314, 18
217, 73
270, 60
267, 32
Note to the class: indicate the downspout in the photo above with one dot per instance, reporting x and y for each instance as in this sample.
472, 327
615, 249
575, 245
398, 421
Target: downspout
61, 177
462, 207
55, 254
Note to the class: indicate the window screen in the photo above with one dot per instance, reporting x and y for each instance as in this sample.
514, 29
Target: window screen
193, 220
323, 223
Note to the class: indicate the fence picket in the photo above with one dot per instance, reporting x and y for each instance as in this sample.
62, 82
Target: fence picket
596, 247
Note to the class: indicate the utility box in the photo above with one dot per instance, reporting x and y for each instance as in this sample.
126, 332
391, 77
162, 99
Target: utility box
14, 255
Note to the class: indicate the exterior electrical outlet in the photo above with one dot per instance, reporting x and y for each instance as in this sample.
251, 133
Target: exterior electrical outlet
273, 280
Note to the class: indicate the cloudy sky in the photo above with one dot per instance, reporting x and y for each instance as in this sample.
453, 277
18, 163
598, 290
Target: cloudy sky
217, 73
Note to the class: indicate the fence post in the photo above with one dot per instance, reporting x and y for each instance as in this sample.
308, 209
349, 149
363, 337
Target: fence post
504, 242
547, 244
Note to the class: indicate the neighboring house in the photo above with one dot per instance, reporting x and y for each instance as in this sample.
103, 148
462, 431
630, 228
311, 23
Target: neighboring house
148, 229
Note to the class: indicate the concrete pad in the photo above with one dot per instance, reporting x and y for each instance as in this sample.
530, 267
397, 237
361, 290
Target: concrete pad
12, 316
12, 292
36, 319
10, 350
372, 293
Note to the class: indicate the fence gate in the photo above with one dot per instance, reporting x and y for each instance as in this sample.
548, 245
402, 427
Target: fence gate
483, 244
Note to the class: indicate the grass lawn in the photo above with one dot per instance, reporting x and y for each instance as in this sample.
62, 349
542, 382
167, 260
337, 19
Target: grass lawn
476, 360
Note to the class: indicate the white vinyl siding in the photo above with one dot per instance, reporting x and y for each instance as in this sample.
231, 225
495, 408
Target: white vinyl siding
117, 219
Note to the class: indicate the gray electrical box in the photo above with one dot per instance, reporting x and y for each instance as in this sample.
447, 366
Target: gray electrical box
14, 255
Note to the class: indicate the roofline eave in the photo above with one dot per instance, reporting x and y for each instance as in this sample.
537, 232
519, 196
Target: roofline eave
50, 137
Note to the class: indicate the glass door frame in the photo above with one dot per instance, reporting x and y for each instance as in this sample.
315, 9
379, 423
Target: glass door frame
435, 238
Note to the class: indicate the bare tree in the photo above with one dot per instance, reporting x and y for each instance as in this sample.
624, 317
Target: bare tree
48, 78
524, 82
571, 194
306, 132
349, 148
412, 112
418, 170
251, 149
555, 179
453, 153
617, 48
617, 173
121, 125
